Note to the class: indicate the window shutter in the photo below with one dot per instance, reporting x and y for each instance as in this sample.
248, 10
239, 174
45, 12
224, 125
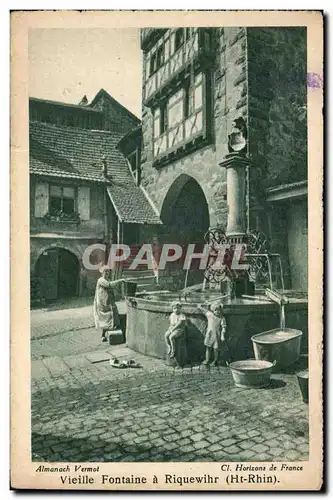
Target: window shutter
41, 199
83, 202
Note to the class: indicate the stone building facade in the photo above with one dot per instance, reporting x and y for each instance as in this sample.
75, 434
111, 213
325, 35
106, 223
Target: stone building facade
196, 82
83, 192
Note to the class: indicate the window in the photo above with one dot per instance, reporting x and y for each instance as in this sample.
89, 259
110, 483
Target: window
188, 101
160, 120
180, 119
164, 119
157, 60
179, 38
62, 199
193, 95
160, 56
153, 60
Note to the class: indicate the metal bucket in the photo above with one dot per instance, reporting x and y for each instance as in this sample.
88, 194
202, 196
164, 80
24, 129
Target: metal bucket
130, 288
282, 345
251, 373
303, 381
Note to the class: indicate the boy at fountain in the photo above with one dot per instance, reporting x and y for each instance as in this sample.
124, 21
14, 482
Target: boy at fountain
176, 329
215, 333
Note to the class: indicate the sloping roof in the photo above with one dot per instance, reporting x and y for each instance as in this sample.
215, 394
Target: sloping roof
72, 153
131, 204
37, 100
103, 93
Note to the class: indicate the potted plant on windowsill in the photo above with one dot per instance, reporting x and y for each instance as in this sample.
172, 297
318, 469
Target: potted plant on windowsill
60, 216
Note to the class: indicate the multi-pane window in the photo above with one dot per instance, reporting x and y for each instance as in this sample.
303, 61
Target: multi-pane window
180, 118
62, 199
153, 65
160, 57
179, 38
176, 48
157, 60
193, 96
161, 120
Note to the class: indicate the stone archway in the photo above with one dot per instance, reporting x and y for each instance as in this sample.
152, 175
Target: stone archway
58, 271
185, 219
185, 212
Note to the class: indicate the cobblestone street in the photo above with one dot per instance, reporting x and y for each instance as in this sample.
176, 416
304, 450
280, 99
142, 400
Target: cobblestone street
85, 410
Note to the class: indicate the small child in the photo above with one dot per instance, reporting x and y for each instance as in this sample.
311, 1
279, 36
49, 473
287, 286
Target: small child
215, 333
176, 328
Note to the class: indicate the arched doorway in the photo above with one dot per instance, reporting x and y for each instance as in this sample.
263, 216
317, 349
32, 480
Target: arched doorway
185, 211
57, 270
185, 218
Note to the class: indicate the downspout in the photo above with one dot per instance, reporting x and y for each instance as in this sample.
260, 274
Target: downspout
120, 238
105, 214
106, 226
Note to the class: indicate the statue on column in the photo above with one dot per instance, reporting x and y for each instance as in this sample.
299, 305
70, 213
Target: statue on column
237, 140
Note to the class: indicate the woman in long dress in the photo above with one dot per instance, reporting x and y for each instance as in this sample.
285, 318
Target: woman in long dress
106, 314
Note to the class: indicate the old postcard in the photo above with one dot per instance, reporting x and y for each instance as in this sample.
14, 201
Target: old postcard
167, 237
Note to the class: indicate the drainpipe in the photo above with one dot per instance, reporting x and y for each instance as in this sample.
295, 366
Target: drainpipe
105, 214
119, 241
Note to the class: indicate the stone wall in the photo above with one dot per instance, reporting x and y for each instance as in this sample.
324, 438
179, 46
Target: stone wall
71, 236
277, 131
258, 74
229, 86
277, 105
93, 226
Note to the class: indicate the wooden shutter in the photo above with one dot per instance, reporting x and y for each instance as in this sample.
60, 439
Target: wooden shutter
83, 202
41, 199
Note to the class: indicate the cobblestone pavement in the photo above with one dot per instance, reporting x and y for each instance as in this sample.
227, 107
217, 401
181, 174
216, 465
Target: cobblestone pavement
72, 342
75, 317
85, 410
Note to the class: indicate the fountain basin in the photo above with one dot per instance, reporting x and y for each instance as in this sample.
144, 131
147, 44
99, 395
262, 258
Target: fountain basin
148, 320
282, 345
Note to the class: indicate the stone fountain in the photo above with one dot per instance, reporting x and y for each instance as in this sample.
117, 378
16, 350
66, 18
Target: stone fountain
247, 309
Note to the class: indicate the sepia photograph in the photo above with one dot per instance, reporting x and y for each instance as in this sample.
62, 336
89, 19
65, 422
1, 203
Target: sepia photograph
167, 235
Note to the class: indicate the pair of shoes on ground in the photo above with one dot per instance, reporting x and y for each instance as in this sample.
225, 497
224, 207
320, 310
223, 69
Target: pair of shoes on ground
116, 363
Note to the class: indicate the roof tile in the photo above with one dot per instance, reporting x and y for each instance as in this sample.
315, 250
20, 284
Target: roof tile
68, 152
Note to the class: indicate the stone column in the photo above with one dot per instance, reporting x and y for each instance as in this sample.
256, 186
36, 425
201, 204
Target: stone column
236, 164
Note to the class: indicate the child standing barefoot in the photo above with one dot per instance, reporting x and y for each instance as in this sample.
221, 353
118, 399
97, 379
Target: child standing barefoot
176, 328
215, 333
